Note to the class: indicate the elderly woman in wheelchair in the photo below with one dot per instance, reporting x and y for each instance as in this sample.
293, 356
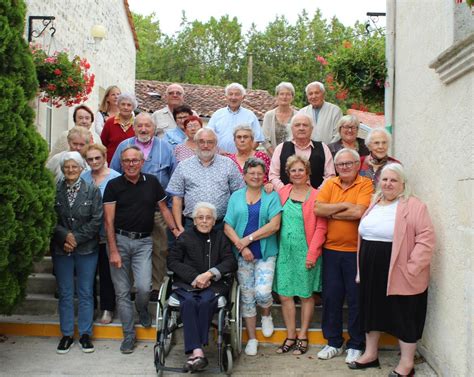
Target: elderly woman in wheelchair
200, 259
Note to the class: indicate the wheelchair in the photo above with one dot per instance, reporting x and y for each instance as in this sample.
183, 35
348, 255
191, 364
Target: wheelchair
229, 328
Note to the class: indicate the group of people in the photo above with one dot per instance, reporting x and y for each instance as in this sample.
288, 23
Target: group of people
288, 207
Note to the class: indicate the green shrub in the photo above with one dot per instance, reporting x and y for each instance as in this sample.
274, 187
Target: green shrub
26, 188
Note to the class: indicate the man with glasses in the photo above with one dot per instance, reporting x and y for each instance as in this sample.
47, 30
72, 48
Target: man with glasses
317, 153
160, 162
342, 200
205, 177
163, 118
129, 208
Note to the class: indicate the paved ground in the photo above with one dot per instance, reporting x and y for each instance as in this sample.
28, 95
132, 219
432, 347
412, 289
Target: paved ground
28, 356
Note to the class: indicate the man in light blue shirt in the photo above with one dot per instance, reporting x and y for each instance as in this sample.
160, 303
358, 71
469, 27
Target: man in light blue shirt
224, 120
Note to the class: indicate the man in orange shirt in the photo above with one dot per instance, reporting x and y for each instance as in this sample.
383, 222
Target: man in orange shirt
342, 200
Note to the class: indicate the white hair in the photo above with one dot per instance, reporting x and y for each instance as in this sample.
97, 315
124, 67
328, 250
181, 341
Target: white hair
235, 85
75, 156
300, 114
244, 127
206, 205
285, 85
146, 115
353, 152
205, 130
128, 97
381, 130
399, 170
320, 85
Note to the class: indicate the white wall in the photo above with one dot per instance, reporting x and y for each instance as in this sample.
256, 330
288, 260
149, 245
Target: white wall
112, 62
433, 137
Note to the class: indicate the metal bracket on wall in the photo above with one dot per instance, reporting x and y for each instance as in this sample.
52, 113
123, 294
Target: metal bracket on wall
46, 21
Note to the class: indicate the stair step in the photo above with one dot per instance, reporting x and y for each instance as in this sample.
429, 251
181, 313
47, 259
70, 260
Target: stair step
30, 325
44, 266
41, 283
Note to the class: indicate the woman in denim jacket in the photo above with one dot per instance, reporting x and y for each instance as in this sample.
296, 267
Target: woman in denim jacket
75, 245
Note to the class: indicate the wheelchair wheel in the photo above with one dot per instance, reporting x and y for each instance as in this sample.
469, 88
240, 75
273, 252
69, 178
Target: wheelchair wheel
236, 321
168, 339
159, 358
227, 360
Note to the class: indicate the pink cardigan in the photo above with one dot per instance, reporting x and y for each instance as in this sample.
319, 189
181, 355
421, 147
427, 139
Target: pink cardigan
412, 248
315, 227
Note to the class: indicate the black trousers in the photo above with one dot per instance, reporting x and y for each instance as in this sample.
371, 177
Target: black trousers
197, 309
106, 291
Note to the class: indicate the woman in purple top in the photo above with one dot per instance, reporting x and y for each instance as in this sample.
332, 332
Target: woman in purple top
99, 175
188, 149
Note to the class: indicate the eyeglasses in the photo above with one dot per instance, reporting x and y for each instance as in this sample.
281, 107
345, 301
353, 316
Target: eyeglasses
204, 218
193, 125
348, 164
350, 128
181, 117
175, 93
73, 168
135, 161
206, 142
97, 158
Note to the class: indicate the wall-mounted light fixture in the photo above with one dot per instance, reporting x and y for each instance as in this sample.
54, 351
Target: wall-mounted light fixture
97, 34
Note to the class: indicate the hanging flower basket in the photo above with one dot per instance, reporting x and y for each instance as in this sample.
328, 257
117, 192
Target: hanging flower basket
62, 80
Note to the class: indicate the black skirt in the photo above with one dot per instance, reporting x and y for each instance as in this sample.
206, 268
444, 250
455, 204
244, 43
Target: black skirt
400, 316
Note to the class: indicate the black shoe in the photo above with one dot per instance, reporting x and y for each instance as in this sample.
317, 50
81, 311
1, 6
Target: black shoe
154, 295
370, 364
86, 344
396, 374
199, 364
145, 318
132, 296
65, 344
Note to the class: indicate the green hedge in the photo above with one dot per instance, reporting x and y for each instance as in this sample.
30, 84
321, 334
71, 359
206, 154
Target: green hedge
26, 188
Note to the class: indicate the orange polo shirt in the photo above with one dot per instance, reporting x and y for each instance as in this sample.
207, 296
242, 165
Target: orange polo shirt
343, 234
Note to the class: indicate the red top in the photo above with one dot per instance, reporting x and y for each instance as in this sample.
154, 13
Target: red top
113, 134
258, 154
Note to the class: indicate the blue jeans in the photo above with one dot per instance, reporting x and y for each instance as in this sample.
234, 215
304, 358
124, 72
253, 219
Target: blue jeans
85, 266
136, 259
339, 273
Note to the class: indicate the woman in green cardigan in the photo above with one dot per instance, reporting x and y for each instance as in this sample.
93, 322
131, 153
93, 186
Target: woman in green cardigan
251, 222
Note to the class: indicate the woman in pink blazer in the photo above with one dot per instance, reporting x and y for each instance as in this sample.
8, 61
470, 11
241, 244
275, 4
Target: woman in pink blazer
397, 241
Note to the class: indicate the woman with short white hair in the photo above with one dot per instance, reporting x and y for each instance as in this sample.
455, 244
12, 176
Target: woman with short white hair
74, 247
378, 142
276, 122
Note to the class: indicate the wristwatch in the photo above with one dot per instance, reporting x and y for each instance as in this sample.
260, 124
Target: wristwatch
251, 238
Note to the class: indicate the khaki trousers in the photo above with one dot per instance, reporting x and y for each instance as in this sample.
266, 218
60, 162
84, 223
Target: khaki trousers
160, 251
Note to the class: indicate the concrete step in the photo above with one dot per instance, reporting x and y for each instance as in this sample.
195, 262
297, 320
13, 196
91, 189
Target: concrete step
43, 266
41, 283
48, 326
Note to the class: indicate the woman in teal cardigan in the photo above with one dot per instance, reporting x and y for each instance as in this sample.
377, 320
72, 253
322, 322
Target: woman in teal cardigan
251, 222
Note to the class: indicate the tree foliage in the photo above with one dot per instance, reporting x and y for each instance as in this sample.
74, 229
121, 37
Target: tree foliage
350, 63
26, 188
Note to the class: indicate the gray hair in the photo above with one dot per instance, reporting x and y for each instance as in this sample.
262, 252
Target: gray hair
399, 170
300, 114
244, 127
79, 131
381, 130
75, 156
175, 85
135, 148
128, 97
235, 85
253, 162
146, 115
206, 205
320, 85
353, 152
285, 85
204, 130
350, 118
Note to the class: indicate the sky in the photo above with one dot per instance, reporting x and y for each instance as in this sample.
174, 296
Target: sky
260, 12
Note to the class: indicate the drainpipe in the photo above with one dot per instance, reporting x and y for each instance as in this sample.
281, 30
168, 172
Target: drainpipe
390, 57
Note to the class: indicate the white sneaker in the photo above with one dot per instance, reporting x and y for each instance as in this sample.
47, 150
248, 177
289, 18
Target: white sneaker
267, 326
353, 355
251, 347
329, 352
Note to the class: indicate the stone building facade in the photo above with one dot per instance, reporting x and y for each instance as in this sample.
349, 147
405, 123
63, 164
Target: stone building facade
432, 46
112, 60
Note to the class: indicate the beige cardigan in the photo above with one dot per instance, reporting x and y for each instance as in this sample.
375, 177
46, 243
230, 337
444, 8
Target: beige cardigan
268, 128
326, 128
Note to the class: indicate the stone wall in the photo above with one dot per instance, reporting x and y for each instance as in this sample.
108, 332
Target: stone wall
433, 137
112, 61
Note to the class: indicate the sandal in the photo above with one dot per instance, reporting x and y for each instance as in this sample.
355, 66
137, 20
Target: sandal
200, 363
284, 348
300, 348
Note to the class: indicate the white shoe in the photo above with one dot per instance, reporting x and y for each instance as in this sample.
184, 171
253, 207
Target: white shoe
329, 352
267, 326
353, 355
251, 347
